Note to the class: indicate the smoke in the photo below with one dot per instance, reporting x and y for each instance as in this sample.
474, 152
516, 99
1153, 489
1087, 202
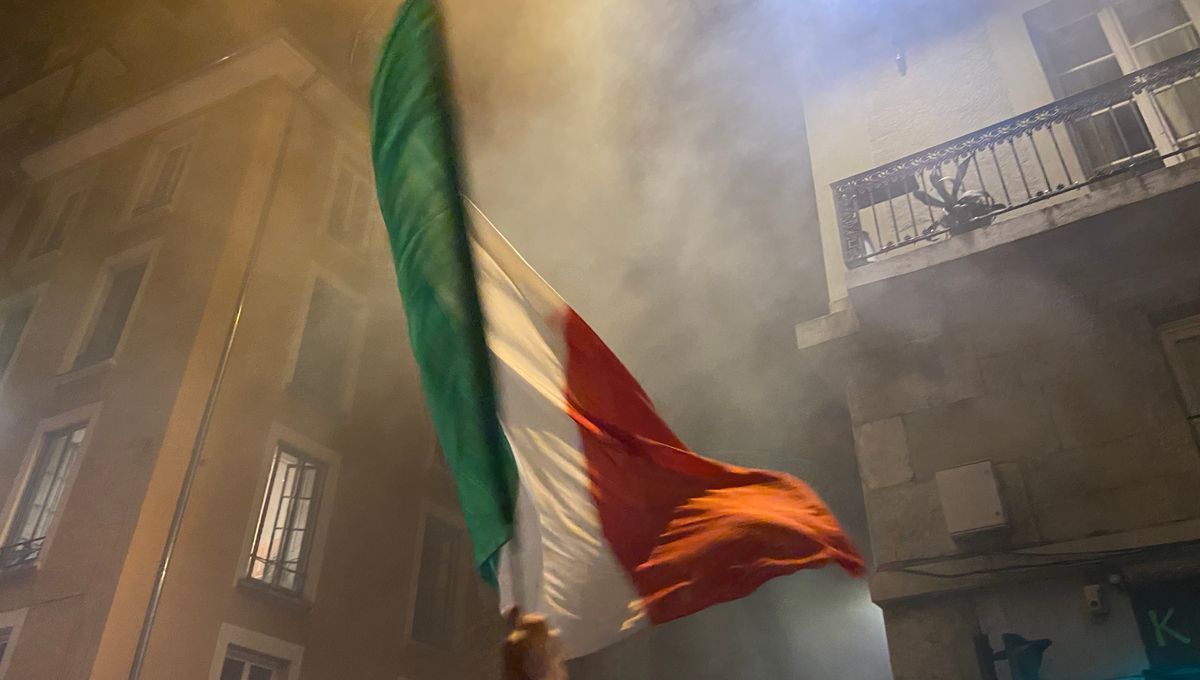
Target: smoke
650, 160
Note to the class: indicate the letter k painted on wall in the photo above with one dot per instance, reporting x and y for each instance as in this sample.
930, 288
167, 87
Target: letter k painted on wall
1162, 628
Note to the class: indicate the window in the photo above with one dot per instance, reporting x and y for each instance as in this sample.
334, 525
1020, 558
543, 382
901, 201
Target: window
435, 604
57, 220
243, 664
243, 654
1182, 343
350, 208
5, 635
327, 344
13, 320
161, 177
288, 521
1119, 39
41, 497
112, 314
11, 623
61, 210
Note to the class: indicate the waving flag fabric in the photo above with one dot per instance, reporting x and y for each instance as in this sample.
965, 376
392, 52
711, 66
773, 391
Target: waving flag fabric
581, 503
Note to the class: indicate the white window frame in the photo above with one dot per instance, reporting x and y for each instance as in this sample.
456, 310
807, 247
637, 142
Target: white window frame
342, 403
87, 416
186, 135
346, 162
1121, 46
332, 460
33, 296
14, 621
260, 643
1122, 49
77, 182
459, 605
147, 252
1170, 335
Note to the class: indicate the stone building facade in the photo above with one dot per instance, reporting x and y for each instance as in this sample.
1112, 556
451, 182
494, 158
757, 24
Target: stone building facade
214, 457
1022, 382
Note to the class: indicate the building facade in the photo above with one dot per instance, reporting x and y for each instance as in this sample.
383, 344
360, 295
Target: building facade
1007, 193
211, 421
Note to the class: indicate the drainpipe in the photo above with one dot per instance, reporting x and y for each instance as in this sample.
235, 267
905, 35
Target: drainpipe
185, 490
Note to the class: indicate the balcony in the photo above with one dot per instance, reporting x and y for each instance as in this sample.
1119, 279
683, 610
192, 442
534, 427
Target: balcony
1146, 120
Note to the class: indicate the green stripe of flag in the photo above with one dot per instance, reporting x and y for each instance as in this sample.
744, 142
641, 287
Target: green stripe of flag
418, 182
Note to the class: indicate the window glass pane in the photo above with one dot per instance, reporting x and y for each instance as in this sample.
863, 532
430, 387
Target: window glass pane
1144, 19
1112, 136
1166, 46
360, 207
5, 636
1189, 353
52, 238
11, 330
282, 541
1075, 45
42, 495
233, 669
1180, 105
434, 610
244, 664
325, 345
162, 185
1087, 77
112, 316
339, 212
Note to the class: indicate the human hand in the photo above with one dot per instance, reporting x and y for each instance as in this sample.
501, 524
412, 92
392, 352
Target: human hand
532, 650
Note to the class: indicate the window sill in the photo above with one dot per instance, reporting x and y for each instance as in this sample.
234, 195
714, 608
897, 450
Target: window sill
259, 589
80, 373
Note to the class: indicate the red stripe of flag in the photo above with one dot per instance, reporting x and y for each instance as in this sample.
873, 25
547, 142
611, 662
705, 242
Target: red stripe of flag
691, 532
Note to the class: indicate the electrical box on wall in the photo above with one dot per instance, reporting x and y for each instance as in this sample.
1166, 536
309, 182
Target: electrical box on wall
971, 500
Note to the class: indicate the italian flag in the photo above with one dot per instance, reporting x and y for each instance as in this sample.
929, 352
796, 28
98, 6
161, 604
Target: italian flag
581, 503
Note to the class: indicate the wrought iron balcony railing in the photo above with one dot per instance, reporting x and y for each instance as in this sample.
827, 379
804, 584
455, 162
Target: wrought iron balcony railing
22, 554
1139, 121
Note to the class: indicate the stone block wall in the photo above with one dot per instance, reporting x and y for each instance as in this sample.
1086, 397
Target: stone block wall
1021, 356
1042, 356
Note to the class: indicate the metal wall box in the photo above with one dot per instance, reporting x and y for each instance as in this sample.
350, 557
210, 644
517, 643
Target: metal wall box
971, 502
